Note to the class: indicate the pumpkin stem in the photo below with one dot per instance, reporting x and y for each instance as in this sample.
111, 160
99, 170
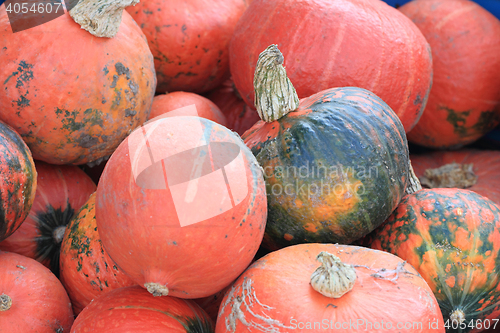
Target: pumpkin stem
102, 18
414, 183
58, 234
275, 95
5, 302
451, 175
156, 289
333, 278
457, 316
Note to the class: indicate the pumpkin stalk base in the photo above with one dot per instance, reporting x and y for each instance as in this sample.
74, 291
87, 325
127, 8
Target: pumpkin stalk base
58, 234
451, 175
333, 278
102, 18
156, 289
457, 316
5, 302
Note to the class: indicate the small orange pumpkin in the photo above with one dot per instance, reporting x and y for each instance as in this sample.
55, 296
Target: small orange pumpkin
205, 108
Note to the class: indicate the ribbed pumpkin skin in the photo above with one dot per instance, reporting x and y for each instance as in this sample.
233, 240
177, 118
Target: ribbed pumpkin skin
452, 238
141, 229
275, 295
18, 180
342, 43
335, 168
39, 302
486, 166
175, 100
240, 117
464, 103
77, 108
86, 269
61, 191
133, 309
189, 40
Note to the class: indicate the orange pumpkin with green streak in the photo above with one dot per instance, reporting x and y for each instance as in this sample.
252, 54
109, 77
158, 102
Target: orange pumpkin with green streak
74, 97
86, 270
18, 181
336, 165
452, 238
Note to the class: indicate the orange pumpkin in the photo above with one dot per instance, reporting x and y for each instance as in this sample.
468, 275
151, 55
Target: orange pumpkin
32, 300
353, 289
452, 238
205, 108
74, 97
174, 199
189, 40
464, 102
341, 43
61, 191
86, 269
133, 309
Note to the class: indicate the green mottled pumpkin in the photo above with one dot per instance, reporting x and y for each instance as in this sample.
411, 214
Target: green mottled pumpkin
336, 163
18, 180
452, 238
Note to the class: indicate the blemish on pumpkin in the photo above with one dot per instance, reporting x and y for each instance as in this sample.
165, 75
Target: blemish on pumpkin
122, 70
185, 74
311, 227
418, 100
23, 102
10, 76
450, 281
288, 237
25, 69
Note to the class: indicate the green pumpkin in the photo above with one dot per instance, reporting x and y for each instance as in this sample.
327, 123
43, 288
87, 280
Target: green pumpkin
336, 163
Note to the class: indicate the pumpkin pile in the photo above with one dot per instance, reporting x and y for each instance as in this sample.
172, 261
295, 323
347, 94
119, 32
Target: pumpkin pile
250, 166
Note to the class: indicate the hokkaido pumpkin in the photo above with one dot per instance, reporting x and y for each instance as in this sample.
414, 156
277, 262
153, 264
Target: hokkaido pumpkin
474, 170
189, 40
240, 117
74, 97
32, 300
175, 198
86, 269
464, 103
342, 43
61, 191
133, 309
329, 288
336, 163
175, 100
18, 180
452, 238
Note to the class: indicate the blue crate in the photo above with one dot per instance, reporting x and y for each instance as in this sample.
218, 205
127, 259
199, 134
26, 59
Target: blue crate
493, 6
